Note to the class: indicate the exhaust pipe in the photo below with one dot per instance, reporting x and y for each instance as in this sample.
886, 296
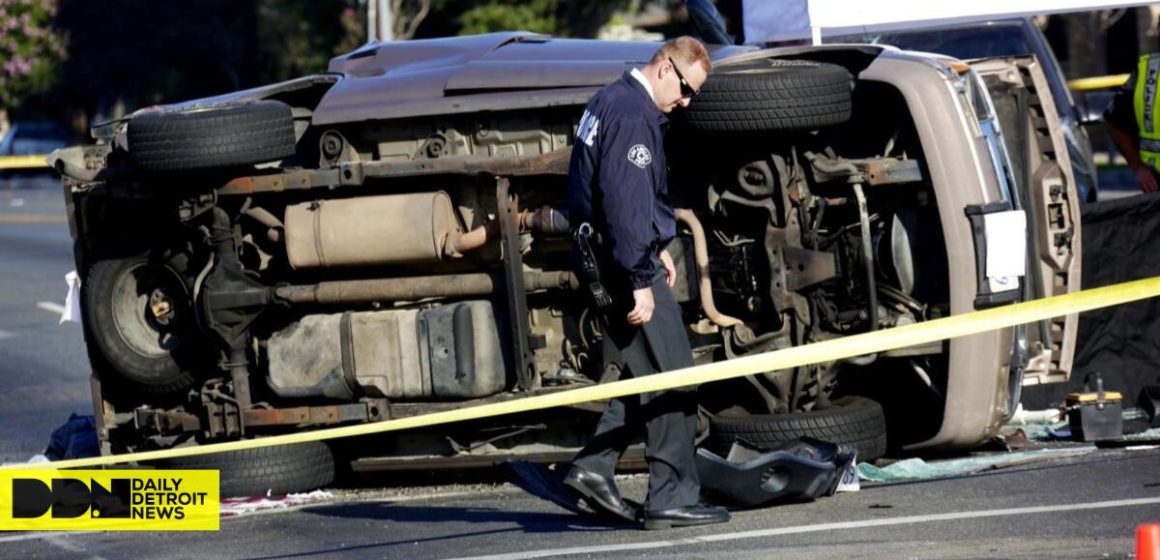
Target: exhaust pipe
701, 252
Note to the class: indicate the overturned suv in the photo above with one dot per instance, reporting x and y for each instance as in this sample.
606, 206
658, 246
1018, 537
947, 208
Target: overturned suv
388, 239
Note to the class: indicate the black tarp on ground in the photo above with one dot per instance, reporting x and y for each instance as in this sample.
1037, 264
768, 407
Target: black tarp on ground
1121, 242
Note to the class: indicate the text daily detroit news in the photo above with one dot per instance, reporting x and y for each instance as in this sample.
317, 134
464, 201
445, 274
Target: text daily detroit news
110, 499
146, 499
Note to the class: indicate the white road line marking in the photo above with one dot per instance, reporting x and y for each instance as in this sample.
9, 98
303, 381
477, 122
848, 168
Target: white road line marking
386, 499
605, 549
51, 307
6, 334
40, 535
48, 535
58, 542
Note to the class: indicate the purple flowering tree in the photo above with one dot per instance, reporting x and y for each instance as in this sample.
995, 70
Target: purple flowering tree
30, 51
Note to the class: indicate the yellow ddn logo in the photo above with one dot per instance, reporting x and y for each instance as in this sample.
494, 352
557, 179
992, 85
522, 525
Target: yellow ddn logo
109, 500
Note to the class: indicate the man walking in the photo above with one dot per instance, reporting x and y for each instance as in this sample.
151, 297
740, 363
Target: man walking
618, 190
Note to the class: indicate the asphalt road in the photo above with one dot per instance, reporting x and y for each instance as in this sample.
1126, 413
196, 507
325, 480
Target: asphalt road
1080, 507
43, 368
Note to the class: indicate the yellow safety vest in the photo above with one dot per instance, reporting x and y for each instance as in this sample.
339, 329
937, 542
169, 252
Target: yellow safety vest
1145, 103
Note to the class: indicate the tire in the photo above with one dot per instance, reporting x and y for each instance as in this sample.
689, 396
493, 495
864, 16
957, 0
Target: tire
856, 422
227, 136
772, 95
119, 297
279, 469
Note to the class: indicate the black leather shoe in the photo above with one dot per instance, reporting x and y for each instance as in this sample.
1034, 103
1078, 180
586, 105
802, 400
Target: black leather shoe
600, 492
687, 516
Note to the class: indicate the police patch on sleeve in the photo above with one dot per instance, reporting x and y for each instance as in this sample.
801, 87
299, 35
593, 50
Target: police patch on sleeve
639, 156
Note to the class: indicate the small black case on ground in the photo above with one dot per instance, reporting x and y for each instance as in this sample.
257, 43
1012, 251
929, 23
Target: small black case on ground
1095, 416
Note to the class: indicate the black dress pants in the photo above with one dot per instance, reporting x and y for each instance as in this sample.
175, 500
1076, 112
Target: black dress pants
669, 418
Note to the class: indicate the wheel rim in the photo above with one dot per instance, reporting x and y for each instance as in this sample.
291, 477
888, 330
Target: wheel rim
146, 314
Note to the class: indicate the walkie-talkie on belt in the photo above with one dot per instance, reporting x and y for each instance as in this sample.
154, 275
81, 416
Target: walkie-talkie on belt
590, 266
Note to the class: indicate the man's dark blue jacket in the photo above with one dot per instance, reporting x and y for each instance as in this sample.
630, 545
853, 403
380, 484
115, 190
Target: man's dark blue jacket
618, 178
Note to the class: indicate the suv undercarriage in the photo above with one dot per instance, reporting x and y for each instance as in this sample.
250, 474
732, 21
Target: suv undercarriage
304, 255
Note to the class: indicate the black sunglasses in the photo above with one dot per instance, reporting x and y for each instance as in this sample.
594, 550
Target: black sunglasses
686, 89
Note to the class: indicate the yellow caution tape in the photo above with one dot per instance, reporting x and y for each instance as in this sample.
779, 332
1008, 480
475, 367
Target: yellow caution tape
32, 219
23, 162
1110, 396
1097, 82
836, 349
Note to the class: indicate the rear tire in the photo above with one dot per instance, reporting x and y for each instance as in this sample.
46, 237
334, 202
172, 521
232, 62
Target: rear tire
772, 95
122, 298
278, 469
855, 422
214, 137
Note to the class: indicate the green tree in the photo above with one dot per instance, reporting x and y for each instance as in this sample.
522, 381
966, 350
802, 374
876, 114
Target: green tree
30, 52
408, 15
126, 54
584, 18
298, 37
538, 16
